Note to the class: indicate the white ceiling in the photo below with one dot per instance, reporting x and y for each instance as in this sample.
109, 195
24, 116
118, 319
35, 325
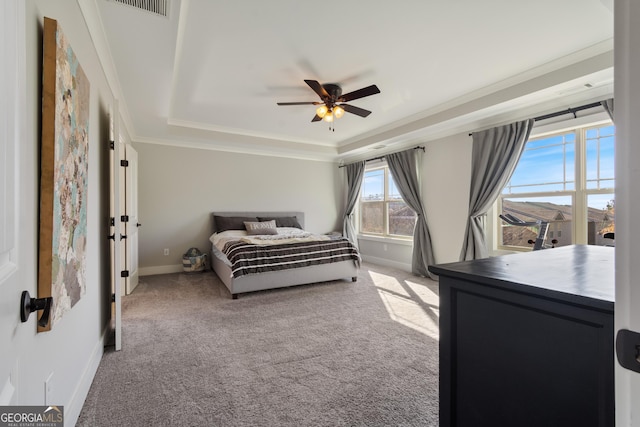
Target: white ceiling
210, 74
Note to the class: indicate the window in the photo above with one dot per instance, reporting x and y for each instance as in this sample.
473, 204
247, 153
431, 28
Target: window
382, 210
567, 180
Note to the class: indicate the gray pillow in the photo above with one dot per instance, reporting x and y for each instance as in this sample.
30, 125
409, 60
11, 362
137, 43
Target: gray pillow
260, 227
224, 223
283, 221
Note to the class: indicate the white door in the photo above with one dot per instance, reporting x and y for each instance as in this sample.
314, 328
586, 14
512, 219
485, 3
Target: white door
13, 333
131, 210
122, 233
626, 113
129, 217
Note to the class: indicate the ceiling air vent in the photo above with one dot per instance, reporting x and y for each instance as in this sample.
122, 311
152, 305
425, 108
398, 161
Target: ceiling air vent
158, 7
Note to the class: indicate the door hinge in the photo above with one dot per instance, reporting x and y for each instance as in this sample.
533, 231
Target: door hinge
112, 221
113, 297
124, 218
124, 163
124, 273
112, 237
112, 145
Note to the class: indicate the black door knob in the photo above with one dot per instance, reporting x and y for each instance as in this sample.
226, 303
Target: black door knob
28, 305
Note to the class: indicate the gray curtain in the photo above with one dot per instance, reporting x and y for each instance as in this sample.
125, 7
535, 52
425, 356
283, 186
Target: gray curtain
494, 157
404, 169
607, 104
355, 172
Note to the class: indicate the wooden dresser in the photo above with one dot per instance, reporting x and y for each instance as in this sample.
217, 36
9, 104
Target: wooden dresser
528, 339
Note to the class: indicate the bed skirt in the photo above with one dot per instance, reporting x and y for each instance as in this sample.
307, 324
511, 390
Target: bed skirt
280, 279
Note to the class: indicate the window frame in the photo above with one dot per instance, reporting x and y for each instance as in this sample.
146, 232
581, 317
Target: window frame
385, 235
579, 195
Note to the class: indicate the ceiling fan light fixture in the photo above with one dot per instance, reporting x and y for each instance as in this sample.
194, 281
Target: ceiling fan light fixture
322, 110
338, 112
328, 117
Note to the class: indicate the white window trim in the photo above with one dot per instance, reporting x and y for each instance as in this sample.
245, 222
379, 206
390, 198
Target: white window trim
391, 238
387, 239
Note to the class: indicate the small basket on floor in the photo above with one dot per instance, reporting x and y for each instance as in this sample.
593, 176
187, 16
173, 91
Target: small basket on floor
194, 261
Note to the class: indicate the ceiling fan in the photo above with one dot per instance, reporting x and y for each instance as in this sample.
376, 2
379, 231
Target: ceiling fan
332, 101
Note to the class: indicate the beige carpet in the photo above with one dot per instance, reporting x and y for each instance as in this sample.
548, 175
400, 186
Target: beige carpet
331, 354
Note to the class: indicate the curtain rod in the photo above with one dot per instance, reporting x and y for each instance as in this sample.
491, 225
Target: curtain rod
419, 147
569, 110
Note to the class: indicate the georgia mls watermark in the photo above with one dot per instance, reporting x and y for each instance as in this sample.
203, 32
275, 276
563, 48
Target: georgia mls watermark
31, 416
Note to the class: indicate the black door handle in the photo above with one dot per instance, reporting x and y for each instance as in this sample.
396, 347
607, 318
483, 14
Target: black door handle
28, 305
628, 349
138, 224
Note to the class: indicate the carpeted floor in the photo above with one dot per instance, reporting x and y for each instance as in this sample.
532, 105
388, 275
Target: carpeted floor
331, 354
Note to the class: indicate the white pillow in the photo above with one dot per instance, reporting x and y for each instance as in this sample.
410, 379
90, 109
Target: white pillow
260, 227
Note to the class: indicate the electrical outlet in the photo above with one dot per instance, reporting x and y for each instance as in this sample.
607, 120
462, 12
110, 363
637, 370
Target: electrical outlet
166, 251
48, 390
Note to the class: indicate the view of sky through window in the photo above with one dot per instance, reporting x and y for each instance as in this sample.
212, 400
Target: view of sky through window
373, 186
548, 165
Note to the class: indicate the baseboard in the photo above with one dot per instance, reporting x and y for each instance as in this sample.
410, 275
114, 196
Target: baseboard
160, 269
387, 262
74, 407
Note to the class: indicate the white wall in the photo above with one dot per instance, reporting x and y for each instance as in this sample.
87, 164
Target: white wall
72, 350
388, 252
445, 188
180, 187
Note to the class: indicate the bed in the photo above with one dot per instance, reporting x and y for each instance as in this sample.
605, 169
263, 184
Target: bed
230, 233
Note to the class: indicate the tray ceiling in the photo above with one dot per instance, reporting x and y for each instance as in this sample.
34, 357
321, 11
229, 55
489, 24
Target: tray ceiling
209, 74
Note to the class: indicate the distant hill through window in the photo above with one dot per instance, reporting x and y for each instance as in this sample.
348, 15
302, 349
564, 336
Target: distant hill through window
560, 219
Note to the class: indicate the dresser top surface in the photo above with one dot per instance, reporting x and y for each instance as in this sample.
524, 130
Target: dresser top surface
580, 273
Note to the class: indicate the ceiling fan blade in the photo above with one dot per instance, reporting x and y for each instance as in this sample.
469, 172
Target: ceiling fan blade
316, 118
300, 103
355, 110
317, 88
360, 93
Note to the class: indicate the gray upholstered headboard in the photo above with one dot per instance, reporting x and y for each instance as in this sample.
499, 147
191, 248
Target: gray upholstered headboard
299, 215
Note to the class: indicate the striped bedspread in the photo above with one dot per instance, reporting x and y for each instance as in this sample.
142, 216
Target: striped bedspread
248, 258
